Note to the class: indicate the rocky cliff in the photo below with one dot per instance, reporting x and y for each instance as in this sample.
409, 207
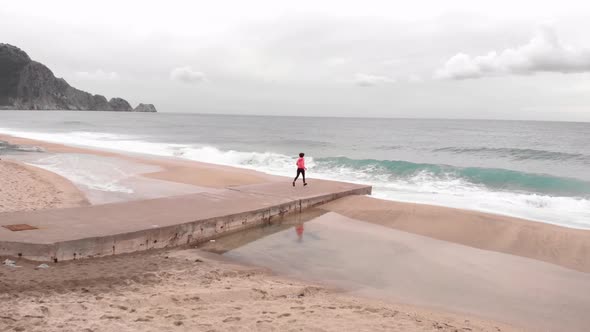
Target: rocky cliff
29, 85
145, 108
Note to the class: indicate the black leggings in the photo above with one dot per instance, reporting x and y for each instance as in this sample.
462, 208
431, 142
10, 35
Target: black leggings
302, 172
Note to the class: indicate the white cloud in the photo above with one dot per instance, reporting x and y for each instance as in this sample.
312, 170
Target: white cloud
337, 61
187, 75
544, 53
392, 62
367, 80
414, 78
98, 75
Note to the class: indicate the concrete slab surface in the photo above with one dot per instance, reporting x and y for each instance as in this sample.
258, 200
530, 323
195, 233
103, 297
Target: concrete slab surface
108, 229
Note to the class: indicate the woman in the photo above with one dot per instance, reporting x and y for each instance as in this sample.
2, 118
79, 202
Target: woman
300, 169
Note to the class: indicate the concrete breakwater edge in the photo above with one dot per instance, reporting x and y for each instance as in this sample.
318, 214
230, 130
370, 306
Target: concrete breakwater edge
102, 230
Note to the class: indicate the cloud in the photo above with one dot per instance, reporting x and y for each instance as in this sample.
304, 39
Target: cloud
187, 75
543, 53
97, 75
392, 62
368, 80
337, 61
414, 78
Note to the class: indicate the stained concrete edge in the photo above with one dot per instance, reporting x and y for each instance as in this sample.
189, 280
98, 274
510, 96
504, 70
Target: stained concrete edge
193, 232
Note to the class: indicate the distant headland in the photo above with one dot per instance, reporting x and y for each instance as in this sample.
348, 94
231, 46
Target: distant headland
29, 85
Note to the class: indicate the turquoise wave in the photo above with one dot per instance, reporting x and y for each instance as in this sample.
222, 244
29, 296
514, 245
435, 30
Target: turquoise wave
492, 178
517, 154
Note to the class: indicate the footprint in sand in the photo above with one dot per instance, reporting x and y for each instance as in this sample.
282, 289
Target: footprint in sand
177, 317
192, 299
121, 307
44, 310
231, 319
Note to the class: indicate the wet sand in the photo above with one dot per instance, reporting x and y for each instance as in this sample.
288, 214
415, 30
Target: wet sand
172, 169
563, 246
115, 177
381, 262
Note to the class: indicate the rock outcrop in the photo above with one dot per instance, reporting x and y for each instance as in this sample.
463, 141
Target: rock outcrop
29, 85
145, 108
120, 105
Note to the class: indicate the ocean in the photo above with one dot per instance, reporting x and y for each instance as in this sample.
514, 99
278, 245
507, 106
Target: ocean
529, 169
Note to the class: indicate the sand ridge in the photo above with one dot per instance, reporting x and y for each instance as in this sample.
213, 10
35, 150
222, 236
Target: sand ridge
563, 246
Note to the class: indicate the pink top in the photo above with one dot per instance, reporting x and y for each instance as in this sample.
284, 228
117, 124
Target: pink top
300, 163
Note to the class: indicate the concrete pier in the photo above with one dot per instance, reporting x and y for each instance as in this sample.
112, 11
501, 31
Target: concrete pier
101, 230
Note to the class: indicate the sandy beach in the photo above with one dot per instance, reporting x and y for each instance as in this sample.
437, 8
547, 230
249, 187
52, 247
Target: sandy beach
26, 188
186, 289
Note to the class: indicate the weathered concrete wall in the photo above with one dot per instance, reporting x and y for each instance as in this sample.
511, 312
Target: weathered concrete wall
195, 231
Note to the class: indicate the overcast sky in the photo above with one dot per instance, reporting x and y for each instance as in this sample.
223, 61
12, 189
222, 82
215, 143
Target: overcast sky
424, 59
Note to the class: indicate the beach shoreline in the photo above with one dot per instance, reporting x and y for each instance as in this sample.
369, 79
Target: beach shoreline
567, 247
553, 244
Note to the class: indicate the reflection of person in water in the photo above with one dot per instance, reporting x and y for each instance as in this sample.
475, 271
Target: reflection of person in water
299, 230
